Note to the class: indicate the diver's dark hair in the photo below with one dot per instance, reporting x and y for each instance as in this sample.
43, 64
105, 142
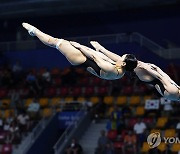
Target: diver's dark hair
131, 62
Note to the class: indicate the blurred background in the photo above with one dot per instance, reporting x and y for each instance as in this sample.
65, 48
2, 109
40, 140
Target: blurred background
48, 106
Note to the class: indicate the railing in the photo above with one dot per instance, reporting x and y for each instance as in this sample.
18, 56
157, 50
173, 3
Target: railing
29, 140
36, 44
65, 137
154, 47
106, 39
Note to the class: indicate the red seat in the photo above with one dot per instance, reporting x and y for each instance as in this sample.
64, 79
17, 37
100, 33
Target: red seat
55, 71
3, 92
76, 91
6, 149
96, 81
24, 92
102, 91
84, 81
57, 81
118, 145
112, 134
124, 133
3, 135
140, 90
132, 122
89, 91
50, 92
128, 90
42, 70
64, 91
148, 121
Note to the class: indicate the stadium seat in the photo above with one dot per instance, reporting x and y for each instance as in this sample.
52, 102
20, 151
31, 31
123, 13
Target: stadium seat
55, 101
169, 133
50, 92
112, 135
57, 81
47, 112
134, 100
175, 147
68, 99
96, 81
94, 99
145, 148
108, 100
155, 130
162, 147
28, 101
55, 71
124, 133
24, 92
5, 103
128, 90
63, 91
89, 91
118, 145
102, 91
3, 93
76, 91
41, 70
148, 122
140, 111
121, 100
132, 122
81, 99
44, 102
7, 148
147, 97
8, 113
84, 81
161, 122
110, 110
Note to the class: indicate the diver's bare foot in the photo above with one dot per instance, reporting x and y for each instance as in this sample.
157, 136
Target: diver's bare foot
31, 29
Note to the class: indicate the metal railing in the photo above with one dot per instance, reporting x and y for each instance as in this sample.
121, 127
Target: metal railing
68, 133
173, 53
105, 39
29, 140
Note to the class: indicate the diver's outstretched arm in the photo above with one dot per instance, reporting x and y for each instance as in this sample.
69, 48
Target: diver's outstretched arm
108, 53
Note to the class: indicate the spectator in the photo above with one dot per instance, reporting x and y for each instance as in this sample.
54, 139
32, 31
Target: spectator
139, 129
109, 149
113, 124
178, 129
14, 130
1, 124
17, 68
33, 108
6, 126
102, 142
33, 83
46, 76
130, 142
168, 108
126, 111
10, 119
74, 148
23, 120
7, 148
116, 114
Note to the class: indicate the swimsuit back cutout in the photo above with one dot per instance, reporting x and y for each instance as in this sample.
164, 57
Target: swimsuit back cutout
157, 82
92, 64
